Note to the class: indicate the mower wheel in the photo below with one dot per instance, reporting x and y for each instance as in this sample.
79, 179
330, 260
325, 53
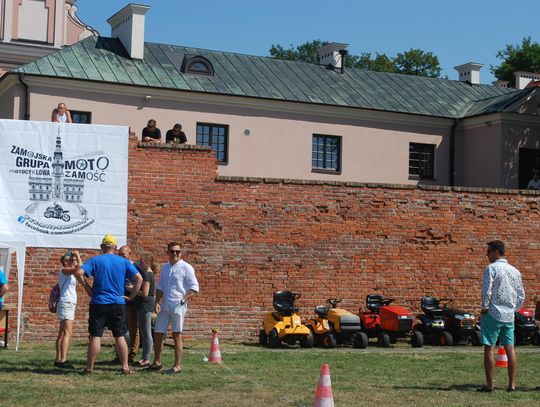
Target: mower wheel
273, 339
263, 338
384, 340
393, 339
329, 340
306, 341
417, 339
535, 339
360, 340
446, 339
476, 338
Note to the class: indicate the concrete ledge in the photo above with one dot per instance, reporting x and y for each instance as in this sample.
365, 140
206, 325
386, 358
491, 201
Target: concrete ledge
442, 188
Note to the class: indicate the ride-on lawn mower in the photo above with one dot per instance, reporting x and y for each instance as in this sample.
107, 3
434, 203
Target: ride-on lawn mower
284, 325
432, 325
460, 324
525, 329
388, 322
333, 326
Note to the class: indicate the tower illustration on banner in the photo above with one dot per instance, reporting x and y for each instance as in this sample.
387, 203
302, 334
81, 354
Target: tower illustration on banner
45, 189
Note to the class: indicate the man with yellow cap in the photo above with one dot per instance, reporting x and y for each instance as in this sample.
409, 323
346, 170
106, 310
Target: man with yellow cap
107, 306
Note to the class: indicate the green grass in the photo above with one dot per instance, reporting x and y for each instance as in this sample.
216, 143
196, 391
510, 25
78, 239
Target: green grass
253, 376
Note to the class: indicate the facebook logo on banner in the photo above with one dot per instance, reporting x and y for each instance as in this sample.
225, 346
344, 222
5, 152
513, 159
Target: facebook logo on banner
21, 219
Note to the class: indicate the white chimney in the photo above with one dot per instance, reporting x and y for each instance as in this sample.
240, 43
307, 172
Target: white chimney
524, 78
469, 72
330, 54
501, 84
128, 26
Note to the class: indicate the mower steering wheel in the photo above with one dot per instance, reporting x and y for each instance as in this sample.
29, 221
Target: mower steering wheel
387, 301
334, 301
296, 295
445, 301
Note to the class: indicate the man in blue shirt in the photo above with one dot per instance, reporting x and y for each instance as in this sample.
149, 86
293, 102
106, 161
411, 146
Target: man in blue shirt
3, 288
107, 306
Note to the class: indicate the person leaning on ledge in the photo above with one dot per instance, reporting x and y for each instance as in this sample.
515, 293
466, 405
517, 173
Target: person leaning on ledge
151, 134
176, 135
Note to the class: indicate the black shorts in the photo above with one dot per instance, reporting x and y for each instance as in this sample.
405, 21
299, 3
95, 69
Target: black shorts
112, 316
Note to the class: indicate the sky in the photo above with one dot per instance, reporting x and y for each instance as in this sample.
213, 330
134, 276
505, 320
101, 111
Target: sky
457, 32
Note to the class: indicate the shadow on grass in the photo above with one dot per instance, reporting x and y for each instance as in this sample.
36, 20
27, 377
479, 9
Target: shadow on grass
461, 387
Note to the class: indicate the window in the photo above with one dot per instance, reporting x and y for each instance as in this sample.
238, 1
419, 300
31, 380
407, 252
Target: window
198, 65
326, 153
216, 136
421, 160
81, 117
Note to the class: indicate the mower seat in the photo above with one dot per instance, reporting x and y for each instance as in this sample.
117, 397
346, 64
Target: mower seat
374, 302
322, 311
284, 303
430, 305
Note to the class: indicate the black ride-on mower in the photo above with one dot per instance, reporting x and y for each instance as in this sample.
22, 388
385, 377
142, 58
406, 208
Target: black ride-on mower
432, 325
335, 326
388, 322
462, 325
525, 329
284, 324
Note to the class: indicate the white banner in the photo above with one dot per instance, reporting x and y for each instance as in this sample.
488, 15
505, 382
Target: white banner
62, 185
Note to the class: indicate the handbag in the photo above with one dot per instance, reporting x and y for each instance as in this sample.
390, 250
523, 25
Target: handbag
54, 296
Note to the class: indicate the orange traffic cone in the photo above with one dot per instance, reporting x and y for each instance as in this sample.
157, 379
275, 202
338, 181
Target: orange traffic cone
502, 358
323, 394
215, 354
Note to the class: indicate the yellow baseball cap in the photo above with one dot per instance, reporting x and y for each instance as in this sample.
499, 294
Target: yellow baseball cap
109, 240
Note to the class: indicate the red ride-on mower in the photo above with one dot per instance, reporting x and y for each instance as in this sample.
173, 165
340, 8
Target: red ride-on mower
284, 324
333, 326
388, 322
525, 329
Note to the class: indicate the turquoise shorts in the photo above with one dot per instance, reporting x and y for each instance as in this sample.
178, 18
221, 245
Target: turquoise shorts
493, 330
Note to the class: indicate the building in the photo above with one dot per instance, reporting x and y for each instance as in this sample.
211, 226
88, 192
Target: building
30, 29
282, 119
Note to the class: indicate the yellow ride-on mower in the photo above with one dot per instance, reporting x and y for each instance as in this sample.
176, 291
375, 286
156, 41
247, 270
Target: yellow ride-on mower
284, 325
333, 326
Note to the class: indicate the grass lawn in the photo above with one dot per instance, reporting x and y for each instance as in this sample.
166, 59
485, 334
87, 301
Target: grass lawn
254, 376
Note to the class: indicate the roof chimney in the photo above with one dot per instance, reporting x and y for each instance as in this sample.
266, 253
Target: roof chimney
332, 54
524, 78
469, 72
128, 26
501, 84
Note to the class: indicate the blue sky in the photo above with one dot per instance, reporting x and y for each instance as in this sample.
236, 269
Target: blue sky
455, 31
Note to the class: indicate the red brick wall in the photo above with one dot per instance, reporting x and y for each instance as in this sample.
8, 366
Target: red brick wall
249, 237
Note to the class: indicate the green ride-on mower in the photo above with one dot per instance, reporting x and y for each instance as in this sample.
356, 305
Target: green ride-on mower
333, 326
284, 325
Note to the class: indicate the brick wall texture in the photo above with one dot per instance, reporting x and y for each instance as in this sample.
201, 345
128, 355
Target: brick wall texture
247, 238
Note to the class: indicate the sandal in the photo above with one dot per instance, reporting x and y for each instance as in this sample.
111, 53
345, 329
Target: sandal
144, 364
485, 389
127, 371
172, 370
153, 367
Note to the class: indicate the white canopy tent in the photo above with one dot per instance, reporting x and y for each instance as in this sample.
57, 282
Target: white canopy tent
19, 248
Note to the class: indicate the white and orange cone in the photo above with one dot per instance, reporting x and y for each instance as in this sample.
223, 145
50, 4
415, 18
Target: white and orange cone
215, 354
502, 358
323, 394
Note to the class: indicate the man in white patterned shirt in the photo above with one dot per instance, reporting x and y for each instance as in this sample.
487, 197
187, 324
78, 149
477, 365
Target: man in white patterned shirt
502, 296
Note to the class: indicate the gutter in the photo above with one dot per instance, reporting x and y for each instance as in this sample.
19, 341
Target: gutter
452, 153
26, 96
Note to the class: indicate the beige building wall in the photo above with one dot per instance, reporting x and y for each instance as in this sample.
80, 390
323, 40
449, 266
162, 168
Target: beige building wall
375, 145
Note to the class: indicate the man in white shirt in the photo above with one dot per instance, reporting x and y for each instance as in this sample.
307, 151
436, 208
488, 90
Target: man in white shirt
502, 296
176, 286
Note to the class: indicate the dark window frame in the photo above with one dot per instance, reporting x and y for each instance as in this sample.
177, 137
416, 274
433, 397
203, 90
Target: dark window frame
81, 113
421, 161
198, 59
336, 169
199, 141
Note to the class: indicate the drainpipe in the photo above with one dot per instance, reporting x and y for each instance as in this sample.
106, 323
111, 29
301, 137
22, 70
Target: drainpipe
452, 151
26, 96
343, 53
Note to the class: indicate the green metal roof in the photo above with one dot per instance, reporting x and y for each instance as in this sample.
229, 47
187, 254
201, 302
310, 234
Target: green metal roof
105, 60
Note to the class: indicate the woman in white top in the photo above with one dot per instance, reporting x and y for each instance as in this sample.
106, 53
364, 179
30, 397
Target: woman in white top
66, 309
61, 114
